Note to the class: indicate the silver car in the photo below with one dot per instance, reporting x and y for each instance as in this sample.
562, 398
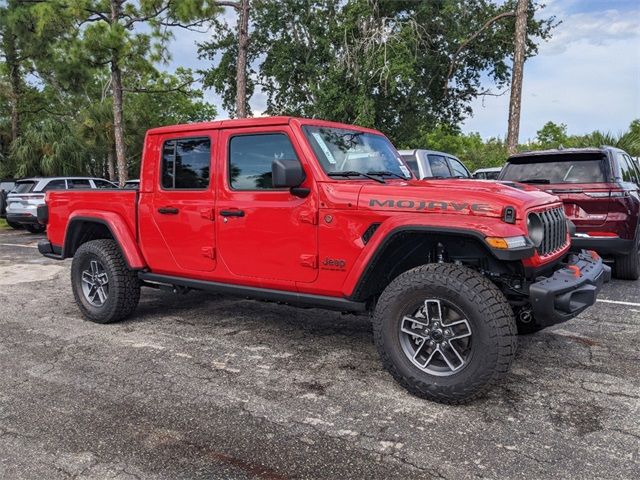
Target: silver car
430, 164
29, 193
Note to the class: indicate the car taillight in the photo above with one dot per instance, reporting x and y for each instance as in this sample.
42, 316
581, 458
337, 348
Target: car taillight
619, 194
597, 194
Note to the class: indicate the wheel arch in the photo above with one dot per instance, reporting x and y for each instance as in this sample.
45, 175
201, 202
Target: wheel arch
84, 228
407, 247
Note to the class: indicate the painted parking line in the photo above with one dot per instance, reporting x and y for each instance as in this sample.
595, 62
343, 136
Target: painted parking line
23, 246
629, 304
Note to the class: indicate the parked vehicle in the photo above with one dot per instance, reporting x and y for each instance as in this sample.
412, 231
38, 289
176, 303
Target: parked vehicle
600, 191
6, 185
327, 215
29, 193
132, 184
432, 164
487, 173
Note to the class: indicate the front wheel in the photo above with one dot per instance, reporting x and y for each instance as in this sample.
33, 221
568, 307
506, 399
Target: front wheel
445, 332
15, 226
104, 287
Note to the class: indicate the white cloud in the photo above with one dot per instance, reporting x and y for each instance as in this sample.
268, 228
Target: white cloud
587, 76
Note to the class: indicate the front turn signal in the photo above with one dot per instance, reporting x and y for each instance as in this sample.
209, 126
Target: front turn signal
506, 243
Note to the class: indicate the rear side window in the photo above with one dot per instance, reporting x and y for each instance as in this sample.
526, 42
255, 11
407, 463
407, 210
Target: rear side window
562, 171
439, 166
626, 168
186, 163
251, 156
78, 183
55, 185
23, 187
103, 184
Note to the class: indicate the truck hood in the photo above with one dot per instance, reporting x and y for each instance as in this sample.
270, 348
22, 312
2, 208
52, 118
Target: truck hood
455, 196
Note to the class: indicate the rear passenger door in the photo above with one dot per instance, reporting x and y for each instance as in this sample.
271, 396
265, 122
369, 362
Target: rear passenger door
181, 206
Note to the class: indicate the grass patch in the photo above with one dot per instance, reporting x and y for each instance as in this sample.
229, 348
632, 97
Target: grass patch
3, 223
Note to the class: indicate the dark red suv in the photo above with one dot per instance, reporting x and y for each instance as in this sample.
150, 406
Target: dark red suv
600, 188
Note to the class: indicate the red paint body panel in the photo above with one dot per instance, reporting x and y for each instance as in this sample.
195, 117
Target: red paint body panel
312, 244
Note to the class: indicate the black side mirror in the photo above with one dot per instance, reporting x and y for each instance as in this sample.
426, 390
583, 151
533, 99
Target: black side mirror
287, 173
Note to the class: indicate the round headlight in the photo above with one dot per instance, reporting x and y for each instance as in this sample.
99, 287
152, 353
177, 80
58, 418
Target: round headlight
535, 229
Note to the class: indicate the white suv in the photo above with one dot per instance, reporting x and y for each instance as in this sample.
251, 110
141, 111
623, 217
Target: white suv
28, 194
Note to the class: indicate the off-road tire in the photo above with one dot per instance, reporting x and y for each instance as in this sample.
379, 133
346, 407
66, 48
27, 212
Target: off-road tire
35, 228
124, 285
492, 324
627, 267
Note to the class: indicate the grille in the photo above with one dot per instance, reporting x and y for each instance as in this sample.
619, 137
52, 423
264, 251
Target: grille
555, 231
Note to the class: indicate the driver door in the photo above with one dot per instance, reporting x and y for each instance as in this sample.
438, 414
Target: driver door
264, 232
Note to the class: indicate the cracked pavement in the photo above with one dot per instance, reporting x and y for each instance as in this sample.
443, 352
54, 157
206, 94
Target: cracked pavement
207, 386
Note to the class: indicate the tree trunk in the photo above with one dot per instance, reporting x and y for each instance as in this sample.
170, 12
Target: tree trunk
15, 83
111, 167
241, 63
516, 80
116, 91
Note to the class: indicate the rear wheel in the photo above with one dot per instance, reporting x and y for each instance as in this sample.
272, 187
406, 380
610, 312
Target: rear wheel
104, 287
445, 332
627, 267
35, 228
14, 225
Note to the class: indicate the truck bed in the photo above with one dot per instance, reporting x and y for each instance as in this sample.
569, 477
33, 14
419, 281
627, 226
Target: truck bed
66, 204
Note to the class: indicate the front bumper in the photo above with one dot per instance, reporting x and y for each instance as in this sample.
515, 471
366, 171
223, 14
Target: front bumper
570, 290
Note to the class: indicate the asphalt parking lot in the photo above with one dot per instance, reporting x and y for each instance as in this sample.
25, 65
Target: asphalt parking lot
205, 386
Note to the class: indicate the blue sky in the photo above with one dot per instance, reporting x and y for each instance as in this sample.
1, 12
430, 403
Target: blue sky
587, 75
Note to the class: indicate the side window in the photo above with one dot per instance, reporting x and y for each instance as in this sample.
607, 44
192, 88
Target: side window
458, 168
250, 158
411, 161
625, 168
102, 184
439, 166
635, 173
55, 185
186, 163
78, 183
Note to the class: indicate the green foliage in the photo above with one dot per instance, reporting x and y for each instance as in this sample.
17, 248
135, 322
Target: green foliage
381, 63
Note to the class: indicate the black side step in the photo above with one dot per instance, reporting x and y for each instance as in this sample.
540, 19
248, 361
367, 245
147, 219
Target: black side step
294, 298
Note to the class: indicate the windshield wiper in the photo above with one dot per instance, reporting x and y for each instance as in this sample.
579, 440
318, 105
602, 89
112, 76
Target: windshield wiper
382, 173
534, 180
352, 173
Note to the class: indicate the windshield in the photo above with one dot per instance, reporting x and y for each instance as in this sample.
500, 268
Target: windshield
563, 171
339, 150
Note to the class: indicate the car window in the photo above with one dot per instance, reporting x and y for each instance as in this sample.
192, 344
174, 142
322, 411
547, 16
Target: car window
55, 185
103, 184
561, 171
79, 183
251, 156
439, 166
631, 169
492, 175
23, 187
411, 161
459, 170
186, 163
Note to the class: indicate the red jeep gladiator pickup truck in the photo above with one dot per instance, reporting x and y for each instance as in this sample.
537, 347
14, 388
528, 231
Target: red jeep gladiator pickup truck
327, 215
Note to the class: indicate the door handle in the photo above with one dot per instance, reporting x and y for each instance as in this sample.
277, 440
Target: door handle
168, 210
232, 213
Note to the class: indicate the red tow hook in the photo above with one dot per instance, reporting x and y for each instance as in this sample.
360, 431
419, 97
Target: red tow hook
576, 270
